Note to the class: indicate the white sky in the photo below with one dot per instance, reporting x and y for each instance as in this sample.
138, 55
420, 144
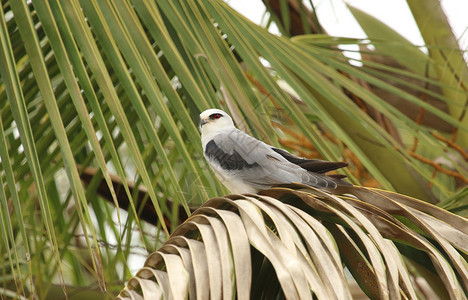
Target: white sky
338, 21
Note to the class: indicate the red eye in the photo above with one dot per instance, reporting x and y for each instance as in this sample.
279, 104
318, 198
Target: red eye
215, 116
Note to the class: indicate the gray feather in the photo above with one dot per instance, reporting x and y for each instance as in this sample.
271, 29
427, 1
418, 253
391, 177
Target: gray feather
260, 165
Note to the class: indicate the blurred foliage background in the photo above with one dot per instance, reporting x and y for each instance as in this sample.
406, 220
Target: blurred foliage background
99, 101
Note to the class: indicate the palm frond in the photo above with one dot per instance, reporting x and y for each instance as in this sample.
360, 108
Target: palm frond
295, 243
105, 95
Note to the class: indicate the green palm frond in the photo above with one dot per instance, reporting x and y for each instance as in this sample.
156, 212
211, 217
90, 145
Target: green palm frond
99, 101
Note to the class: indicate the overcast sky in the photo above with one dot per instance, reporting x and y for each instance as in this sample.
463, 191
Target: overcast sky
338, 21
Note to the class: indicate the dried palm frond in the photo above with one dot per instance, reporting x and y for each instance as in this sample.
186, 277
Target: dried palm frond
296, 242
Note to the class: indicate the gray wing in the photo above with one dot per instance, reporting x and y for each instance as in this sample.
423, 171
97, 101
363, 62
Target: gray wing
259, 164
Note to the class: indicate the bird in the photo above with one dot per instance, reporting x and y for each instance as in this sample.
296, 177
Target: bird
246, 165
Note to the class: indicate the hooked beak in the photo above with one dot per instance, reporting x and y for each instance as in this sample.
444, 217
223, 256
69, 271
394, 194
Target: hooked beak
203, 122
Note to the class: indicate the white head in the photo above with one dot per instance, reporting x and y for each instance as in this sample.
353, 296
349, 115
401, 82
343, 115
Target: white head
214, 120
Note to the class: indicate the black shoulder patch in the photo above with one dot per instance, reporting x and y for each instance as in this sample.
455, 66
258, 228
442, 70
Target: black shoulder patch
227, 161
